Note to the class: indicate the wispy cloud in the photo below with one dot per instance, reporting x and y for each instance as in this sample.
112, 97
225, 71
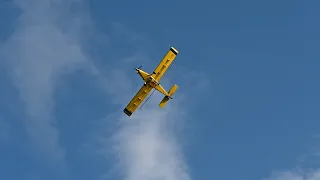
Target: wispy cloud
43, 46
148, 146
148, 149
300, 172
297, 174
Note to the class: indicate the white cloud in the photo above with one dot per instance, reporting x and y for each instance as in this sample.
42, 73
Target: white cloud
43, 46
147, 146
298, 174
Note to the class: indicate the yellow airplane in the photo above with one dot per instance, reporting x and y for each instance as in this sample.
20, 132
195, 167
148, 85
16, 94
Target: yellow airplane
152, 81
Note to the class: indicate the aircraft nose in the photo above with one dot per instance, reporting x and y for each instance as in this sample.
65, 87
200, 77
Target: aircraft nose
137, 69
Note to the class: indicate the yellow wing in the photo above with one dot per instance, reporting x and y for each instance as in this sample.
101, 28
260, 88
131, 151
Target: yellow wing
137, 99
165, 63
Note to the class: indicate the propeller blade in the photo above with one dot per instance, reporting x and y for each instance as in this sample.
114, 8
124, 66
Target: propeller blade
138, 68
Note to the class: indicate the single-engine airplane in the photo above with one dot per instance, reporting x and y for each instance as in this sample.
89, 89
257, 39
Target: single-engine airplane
152, 81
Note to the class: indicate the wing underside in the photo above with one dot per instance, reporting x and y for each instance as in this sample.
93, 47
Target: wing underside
164, 64
137, 99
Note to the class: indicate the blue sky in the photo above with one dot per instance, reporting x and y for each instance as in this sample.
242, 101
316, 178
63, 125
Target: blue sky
246, 107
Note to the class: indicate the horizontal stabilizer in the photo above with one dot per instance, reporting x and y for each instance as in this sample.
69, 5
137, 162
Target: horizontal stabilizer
173, 89
166, 98
164, 101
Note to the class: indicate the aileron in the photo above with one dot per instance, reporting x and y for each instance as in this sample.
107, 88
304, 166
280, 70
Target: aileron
137, 99
165, 63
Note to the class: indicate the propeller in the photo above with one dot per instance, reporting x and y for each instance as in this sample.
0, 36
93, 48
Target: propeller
138, 68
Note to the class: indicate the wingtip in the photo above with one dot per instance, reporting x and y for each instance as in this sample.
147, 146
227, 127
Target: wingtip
174, 50
127, 112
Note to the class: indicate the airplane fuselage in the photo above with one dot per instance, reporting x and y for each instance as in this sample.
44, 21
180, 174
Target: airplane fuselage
148, 79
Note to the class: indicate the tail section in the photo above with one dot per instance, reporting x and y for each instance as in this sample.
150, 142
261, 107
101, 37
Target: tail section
166, 98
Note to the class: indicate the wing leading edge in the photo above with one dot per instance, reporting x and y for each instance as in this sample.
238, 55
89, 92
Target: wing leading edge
164, 64
137, 99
